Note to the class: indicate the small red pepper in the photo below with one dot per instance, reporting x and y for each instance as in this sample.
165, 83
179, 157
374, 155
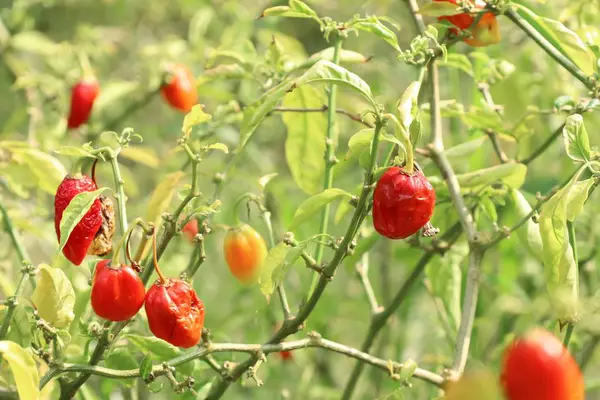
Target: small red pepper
175, 313
117, 292
93, 234
484, 33
402, 203
83, 95
179, 90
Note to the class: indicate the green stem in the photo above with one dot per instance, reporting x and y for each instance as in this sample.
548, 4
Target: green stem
13, 301
329, 154
291, 326
14, 236
573, 243
287, 313
120, 195
549, 48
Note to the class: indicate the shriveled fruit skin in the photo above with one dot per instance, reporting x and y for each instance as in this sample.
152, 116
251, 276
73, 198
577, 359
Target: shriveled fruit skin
485, 33
175, 313
117, 293
244, 250
538, 367
180, 92
402, 203
83, 96
85, 231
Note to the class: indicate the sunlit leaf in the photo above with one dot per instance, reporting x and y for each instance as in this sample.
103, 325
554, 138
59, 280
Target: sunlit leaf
305, 143
23, 368
314, 204
195, 117
575, 136
54, 297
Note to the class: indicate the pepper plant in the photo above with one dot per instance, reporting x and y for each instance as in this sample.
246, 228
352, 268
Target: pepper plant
406, 188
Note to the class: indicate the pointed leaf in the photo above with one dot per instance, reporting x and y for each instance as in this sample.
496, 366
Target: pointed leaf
529, 234
575, 136
305, 143
195, 117
54, 297
374, 26
23, 368
512, 175
276, 265
440, 9
77, 208
315, 203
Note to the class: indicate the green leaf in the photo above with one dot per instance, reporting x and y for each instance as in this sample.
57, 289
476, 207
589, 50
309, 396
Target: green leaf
34, 42
20, 327
374, 26
23, 368
54, 297
512, 175
218, 146
529, 234
408, 109
364, 245
360, 143
48, 170
206, 211
296, 9
156, 346
327, 72
146, 366
113, 94
195, 117
562, 38
559, 264
575, 136
346, 56
440, 9
458, 61
74, 151
276, 265
464, 150
142, 155
314, 204
322, 72
255, 113
122, 359
445, 276
489, 208
77, 208
305, 143
161, 197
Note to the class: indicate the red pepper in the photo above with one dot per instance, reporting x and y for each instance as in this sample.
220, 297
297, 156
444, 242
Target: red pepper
244, 250
117, 292
485, 33
402, 203
538, 367
180, 89
175, 313
83, 95
190, 229
93, 233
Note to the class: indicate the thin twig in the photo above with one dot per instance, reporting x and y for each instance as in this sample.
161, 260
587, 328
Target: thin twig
549, 48
362, 269
314, 340
540, 150
324, 108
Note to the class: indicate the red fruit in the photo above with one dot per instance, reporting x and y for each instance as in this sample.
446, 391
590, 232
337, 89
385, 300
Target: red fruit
83, 95
245, 250
180, 92
402, 203
486, 31
190, 229
286, 355
117, 292
175, 313
538, 367
93, 234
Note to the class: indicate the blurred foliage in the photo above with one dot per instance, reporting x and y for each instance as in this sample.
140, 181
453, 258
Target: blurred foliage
226, 46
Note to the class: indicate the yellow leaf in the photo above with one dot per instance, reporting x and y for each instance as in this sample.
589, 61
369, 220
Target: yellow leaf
193, 118
54, 297
23, 368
